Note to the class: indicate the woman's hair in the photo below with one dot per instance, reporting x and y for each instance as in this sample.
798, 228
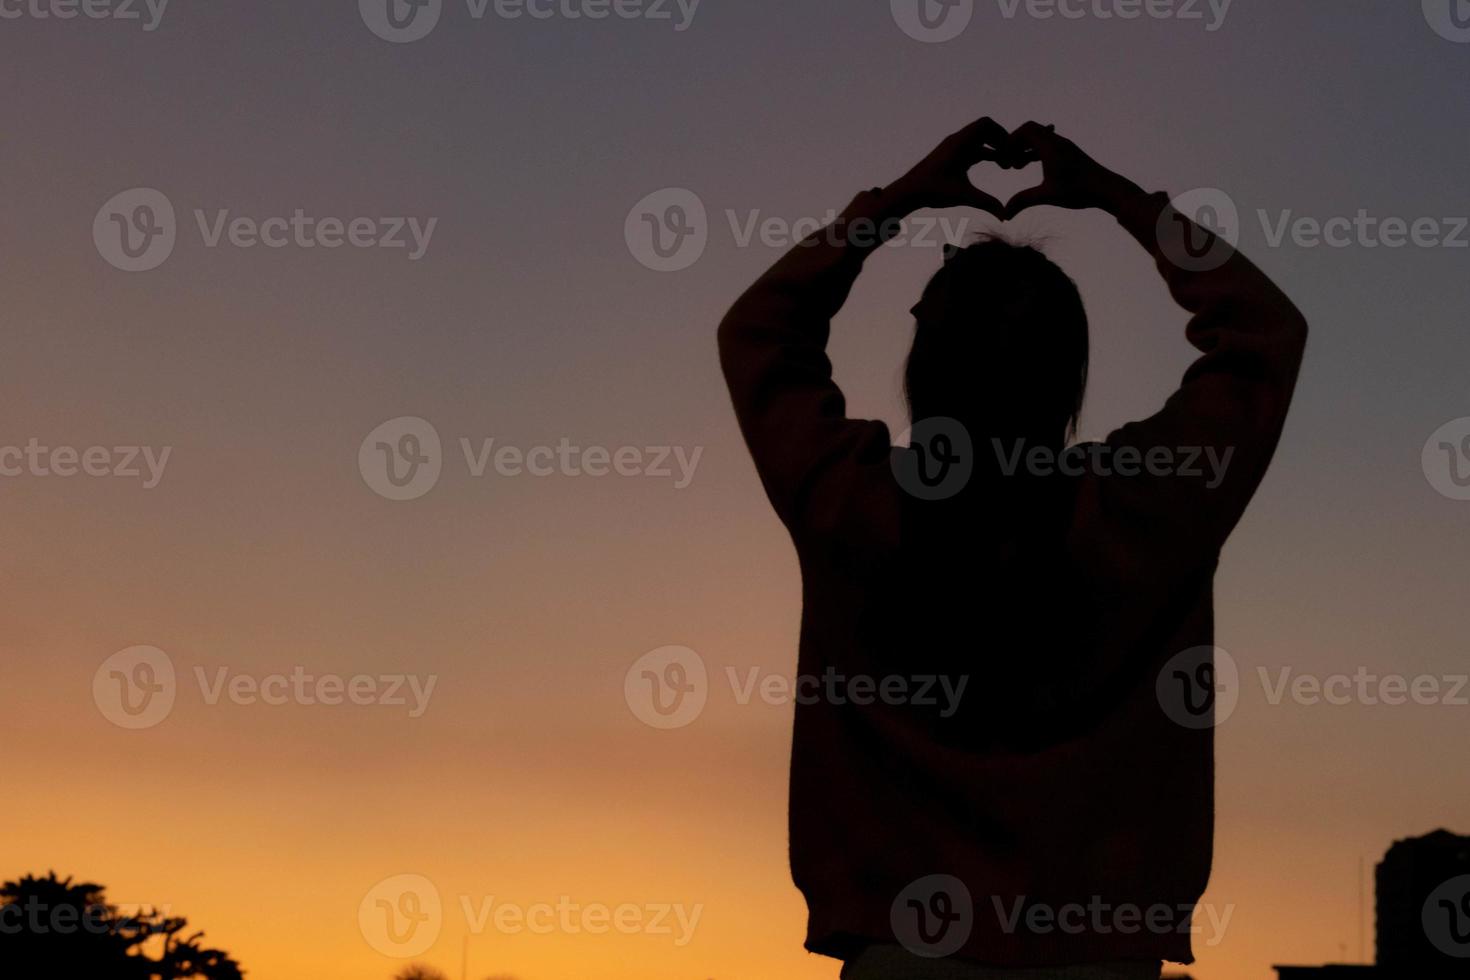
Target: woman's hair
1001, 344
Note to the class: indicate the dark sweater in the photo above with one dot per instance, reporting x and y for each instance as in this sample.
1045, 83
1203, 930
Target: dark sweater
1062, 779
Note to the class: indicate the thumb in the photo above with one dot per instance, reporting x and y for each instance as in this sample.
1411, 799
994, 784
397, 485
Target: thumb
1029, 198
977, 198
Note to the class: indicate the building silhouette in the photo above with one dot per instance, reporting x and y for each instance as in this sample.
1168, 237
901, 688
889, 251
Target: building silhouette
1410, 890
1421, 915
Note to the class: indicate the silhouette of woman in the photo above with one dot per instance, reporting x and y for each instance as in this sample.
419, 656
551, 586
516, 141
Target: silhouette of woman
1052, 816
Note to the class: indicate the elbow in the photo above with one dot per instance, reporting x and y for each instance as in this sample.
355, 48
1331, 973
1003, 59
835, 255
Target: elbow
735, 342
739, 328
1286, 322
727, 336
1297, 324
1296, 329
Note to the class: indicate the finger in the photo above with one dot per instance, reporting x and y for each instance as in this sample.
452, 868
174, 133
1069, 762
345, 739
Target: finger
1029, 198
1037, 138
982, 135
985, 129
977, 198
1019, 157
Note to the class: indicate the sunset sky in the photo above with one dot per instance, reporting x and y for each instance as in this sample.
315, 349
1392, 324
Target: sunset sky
530, 320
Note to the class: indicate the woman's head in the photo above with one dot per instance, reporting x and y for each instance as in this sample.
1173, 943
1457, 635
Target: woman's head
1000, 344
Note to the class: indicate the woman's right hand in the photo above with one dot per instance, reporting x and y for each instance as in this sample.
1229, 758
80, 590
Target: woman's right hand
1069, 177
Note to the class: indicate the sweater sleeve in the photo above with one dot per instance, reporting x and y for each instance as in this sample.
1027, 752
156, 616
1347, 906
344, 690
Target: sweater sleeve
820, 469
1214, 438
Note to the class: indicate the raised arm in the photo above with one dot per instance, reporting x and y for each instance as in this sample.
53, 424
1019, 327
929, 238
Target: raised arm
820, 468
1228, 412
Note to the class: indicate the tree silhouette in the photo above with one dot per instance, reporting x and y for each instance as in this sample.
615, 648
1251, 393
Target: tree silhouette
53, 927
416, 971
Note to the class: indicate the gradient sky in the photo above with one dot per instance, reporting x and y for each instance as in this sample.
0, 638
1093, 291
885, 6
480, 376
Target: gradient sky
529, 320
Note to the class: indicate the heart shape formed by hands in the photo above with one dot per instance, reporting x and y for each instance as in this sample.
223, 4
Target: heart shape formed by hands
1032, 145
1004, 183
1069, 177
